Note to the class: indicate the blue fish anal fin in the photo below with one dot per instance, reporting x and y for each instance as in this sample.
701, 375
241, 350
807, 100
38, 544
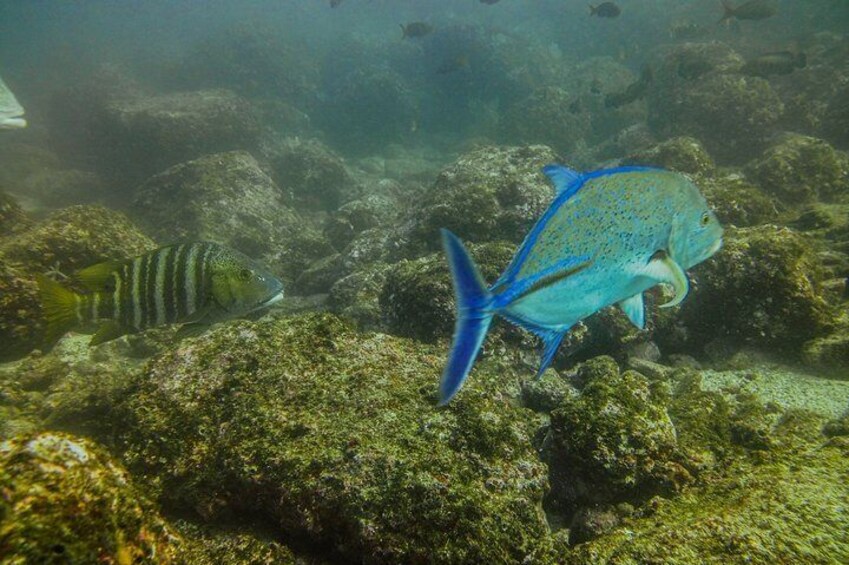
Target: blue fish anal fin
551, 340
564, 179
635, 309
474, 316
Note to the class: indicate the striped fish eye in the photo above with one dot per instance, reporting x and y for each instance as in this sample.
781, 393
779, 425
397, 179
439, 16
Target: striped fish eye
245, 274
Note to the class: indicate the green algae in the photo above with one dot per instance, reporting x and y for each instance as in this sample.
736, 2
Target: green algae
333, 436
64, 500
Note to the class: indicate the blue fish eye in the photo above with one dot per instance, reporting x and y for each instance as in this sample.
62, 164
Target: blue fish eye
705, 219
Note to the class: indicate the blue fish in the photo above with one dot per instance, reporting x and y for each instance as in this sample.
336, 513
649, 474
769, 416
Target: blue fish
607, 237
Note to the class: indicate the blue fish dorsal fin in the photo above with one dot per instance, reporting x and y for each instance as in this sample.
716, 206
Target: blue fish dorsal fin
565, 180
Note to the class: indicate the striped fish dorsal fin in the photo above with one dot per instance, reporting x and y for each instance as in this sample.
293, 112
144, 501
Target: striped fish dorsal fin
97, 277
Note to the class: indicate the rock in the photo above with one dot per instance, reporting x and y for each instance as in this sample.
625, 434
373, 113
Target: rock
366, 108
357, 296
683, 154
614, 442
829, 354
695, 92
417, 299
590, 523
12, 217
530, 120
227, 198
836, 121
371, 211
764, 288
219, 546
21, 326
315, 175
547, 392
65, 500
321, 275
737, 202
279, 421
139, 137
592, 81
492, 193
20, 160
801, 169
74, 238
61, 188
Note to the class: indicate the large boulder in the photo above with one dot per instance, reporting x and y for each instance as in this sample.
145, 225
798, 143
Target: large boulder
491, 193
75, 238
697, 92
801, 169
683, 154
141, 136
20, 312
550, 116
764, 288
64, 187
66, 501
314, 175
332, 438
227, 198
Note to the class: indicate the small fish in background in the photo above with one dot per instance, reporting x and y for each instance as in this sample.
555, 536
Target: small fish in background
489, 2
416, 30
635, 91
751, 10
11, 112
605, 10
775, 63
335, 3
453, 64
196, 284
607, 237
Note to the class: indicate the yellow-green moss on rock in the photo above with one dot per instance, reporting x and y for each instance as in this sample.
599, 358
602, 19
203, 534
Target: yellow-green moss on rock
335, 439
65, 501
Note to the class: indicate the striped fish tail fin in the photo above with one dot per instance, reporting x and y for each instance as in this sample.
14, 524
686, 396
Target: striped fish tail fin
60, 308
473, 316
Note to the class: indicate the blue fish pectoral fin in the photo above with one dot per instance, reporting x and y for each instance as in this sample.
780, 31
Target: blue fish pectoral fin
474, 316
564, 179
663, 269
526, 286
635, 309
551, 342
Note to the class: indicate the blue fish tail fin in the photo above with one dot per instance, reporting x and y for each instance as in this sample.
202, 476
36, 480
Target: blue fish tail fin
474, 315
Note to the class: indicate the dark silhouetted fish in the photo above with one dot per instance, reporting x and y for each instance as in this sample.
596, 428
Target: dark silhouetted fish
334, 3
751, 10
196, 284
605, 10
776, 63
416, 29
490, 2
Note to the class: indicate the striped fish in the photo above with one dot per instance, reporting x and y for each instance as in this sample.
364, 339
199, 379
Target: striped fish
196, 284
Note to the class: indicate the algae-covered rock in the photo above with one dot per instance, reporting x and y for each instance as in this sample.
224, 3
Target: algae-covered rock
802, 169
66, 501
764, 288
491, 193
783, 508
314, 174
12, 217
357, 296
835, 125
219, 546
142, 136
830, 353
333, 438
683, 154
697, 92
20, 312
530, 120
227, 198
613, 442
738, 202
370, 211
75, 238
418, 297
